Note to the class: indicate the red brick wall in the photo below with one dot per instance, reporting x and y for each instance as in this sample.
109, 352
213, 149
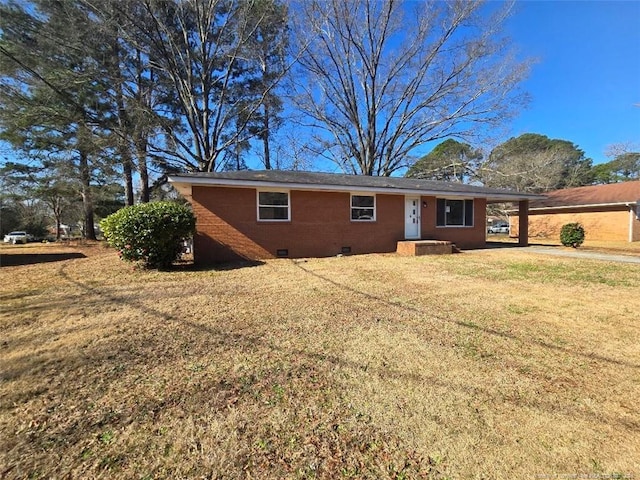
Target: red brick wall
320, 226
228, 229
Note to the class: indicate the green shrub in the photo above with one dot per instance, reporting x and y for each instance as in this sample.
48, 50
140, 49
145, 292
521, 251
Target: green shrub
151, 233
572, 235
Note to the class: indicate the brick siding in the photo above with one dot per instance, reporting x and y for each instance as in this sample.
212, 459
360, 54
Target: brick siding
463, 237
612, 224
320, 226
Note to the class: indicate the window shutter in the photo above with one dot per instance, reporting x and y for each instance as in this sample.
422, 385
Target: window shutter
440, 212
468, 213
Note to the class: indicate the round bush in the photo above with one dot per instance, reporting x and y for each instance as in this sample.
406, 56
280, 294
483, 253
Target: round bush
151, 233
572, 235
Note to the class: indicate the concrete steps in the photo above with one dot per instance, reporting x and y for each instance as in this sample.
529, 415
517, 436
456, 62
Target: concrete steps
425, 247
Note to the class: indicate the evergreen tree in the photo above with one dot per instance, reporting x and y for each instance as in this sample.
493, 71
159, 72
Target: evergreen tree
53, 89
536, 163
450, 161
268, 46
624, 167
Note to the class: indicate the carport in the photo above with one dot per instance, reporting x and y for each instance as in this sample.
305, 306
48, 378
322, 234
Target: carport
522, 212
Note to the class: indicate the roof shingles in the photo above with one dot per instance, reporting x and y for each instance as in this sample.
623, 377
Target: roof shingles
624, 192
312, 179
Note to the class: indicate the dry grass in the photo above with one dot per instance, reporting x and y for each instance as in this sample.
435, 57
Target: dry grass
492, 364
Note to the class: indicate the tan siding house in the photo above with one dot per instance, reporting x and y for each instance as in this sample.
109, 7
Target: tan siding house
607, 212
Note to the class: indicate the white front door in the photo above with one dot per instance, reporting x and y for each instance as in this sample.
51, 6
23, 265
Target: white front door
411, 217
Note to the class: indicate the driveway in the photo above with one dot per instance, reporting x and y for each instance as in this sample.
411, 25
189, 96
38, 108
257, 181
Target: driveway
567, 252
577, 253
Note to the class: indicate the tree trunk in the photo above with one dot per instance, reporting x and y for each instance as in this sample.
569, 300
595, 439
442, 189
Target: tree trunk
141, 153
142, 130
87, 198
57, 213
123, 117
265, 138
128, 176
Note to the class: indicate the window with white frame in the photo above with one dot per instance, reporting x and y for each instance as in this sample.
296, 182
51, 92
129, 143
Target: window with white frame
273, 206
454, 213
363, 208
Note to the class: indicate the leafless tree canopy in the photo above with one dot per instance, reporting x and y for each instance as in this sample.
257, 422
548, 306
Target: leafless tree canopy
384, 77
205, 52
536, 171
618, 149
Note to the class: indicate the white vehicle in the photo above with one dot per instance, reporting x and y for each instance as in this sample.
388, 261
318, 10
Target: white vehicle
499, 228
16, 237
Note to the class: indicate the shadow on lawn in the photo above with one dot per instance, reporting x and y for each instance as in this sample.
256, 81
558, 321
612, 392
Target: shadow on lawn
190, 266
489, 331
69, 398
111, 356
17, 259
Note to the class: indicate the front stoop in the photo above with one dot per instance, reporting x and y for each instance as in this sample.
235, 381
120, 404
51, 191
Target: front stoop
424, 247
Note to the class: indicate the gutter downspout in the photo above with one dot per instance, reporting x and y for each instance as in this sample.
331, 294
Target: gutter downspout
631, 218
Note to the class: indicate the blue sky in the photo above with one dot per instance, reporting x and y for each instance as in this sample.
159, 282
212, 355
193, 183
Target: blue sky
587, 76
586, 79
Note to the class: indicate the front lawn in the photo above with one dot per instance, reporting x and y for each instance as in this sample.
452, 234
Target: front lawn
495, 364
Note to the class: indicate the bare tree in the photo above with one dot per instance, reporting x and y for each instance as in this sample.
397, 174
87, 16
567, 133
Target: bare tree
618, 149
199, 50
536, 171
383, 77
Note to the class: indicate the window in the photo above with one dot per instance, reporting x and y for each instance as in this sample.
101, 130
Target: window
454, 213
273, 206
363, 208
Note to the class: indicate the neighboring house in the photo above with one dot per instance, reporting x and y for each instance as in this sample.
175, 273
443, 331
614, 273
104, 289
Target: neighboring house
607, 212
265, 214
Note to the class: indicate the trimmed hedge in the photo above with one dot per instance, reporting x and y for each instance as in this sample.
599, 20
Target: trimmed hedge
151, 233
572, 235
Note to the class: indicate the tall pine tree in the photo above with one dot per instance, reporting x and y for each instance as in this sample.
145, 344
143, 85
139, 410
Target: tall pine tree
52, 97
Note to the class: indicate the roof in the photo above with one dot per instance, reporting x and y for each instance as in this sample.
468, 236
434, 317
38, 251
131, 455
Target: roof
339, 182
593, 195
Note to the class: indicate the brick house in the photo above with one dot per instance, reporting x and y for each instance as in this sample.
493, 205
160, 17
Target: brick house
266, 214
607, 212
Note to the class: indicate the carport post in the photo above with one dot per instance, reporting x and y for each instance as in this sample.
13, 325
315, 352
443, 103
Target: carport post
523, 223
